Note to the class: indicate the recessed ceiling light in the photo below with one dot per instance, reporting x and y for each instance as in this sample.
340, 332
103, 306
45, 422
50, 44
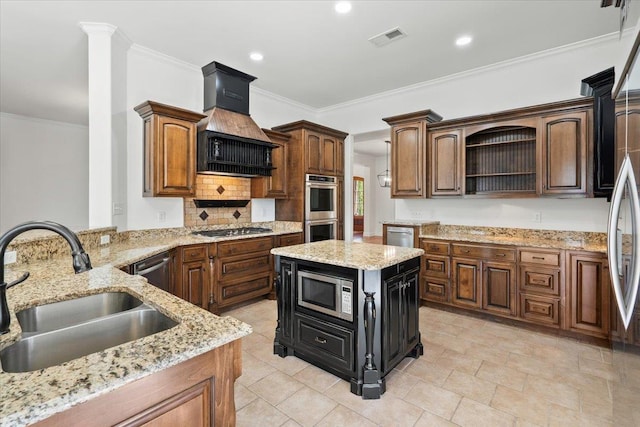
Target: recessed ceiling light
343, 7
256, 56
463, 40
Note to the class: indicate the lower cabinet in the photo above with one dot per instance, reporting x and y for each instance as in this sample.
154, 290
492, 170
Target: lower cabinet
540, 285
466, 283
588, 299
499, 288
191, 281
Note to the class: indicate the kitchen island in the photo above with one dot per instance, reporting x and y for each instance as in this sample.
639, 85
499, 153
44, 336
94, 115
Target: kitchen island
349, 308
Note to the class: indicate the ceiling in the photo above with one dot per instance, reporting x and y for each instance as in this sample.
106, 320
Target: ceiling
312, 55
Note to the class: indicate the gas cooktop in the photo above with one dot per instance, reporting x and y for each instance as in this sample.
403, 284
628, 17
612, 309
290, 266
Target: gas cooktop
233, 232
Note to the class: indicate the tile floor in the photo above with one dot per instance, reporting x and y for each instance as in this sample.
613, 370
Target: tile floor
473, 373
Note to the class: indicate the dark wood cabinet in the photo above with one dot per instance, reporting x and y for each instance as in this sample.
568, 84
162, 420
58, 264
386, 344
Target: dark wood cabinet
320, 153
274, 186
467, 291
564, 153
540, 285
339, 157
445, 152
408, 153
435, 272
588, 299
499, 288
169, 152
191, 278
627, 122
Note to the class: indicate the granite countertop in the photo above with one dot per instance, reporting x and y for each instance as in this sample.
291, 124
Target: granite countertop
546, 239
363, 256
26, 398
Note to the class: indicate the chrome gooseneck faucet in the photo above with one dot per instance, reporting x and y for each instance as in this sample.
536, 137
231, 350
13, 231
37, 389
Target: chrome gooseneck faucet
81, 260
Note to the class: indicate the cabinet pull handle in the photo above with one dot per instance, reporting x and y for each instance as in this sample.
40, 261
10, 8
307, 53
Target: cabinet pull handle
537, 257
465, 251
501, 255
321, 340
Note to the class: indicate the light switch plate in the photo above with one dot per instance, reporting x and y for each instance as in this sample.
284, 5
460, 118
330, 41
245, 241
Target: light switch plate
105, 239
10, 257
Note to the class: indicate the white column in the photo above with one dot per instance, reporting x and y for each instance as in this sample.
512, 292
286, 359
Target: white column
100, 162
348, 188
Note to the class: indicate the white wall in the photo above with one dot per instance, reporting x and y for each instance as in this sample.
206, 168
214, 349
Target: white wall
43, 172
547, 77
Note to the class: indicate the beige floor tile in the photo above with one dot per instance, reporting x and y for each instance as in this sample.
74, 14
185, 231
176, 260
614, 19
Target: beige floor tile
259, 414
530, 365
434, 399
469, 386
582, 380
344, 417
404, 363
391, 411
428, 371
316, 378
445, 328
554, 391
537, 338
399, 383
290, 365
598, 369
431, 420
462, 362
488, 353
341, 392
560, 416
446, 341
555, 356
431, 351
253, 369
290, 423
256, 340
276, 387
307, 406
471, 413
243, 396
532, 408
264, 327
502, 375
596, 407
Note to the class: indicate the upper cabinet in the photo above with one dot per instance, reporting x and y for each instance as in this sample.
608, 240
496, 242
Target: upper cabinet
408, 153
542, 150
169, 150
274, 186
321, 152
564, 153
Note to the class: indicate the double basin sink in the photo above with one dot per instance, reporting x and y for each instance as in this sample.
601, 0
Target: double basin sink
59, 332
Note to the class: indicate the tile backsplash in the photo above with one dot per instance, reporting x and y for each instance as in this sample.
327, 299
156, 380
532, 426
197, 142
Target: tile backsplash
215, 187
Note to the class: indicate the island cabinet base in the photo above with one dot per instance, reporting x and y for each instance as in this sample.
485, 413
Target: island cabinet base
197, 392
354, 323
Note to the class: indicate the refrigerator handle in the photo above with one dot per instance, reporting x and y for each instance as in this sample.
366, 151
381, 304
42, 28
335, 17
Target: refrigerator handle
625, 300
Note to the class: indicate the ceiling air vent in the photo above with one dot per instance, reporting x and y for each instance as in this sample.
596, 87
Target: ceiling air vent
388, 37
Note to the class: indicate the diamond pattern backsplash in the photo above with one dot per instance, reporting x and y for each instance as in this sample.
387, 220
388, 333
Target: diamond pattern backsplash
236, 214
204, 215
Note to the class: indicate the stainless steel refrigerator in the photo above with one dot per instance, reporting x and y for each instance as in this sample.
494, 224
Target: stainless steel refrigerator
624, 246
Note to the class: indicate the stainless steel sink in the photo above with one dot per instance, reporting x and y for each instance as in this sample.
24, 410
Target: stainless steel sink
57, 315
42, 350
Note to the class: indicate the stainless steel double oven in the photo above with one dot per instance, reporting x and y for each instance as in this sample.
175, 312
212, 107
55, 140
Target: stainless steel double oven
321, 207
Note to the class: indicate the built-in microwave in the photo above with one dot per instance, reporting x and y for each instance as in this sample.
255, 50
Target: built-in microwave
326, 294
321, 197
326, 229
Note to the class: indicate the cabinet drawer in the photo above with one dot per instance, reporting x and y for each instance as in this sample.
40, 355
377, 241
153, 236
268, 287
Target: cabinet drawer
326, 342
242, 265
437, 266
237, 247
540, 280
193, 253
485, 252
542, 258
539, 309
291, 239
243, 290
435, 247
434, 289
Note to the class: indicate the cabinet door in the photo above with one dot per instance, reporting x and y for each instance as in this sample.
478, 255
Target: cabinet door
589, 303
499, 288
446, 163
466, 283
408, 160
564, 151
328, 155
434, 289
274, 186
393, 327
628, 136
194, 283
313, 152
175, 157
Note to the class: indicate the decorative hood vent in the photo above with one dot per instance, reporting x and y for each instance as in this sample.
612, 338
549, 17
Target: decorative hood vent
202, 203
229, 141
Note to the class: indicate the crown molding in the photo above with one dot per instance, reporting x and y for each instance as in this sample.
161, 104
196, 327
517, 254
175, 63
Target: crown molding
164, 57
475, 71
43, 121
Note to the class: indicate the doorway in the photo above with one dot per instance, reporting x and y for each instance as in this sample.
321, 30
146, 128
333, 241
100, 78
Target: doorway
358, 206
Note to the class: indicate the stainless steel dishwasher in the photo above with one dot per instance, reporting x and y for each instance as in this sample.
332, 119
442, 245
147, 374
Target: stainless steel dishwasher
400, 236
156, 269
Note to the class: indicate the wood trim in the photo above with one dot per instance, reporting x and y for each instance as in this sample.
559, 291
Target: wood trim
304, 124
148, 108
429, 115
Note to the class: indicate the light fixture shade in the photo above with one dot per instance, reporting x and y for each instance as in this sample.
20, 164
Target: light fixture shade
384, 178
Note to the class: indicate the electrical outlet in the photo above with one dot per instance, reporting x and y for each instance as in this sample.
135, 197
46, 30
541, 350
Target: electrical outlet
118, 209
104, 240
537, 217
10, 257
162, 216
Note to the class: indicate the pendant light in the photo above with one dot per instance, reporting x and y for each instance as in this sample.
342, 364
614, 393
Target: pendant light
384, 178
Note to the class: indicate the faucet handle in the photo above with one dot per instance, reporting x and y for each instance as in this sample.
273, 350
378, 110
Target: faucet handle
18, 280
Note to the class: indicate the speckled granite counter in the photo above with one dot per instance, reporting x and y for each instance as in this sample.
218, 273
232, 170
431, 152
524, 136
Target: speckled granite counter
576, 240
362, 256
32, 396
